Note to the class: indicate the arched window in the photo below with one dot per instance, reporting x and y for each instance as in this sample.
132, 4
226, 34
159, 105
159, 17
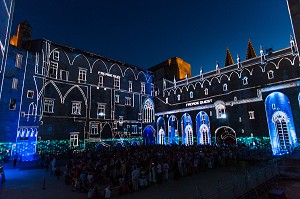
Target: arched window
220, 109
224, 87
206, 91
270, 74
245, 80
148, 112
191, 94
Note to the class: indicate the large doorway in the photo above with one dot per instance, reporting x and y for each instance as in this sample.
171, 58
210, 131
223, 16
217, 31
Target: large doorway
225, 135
148, 135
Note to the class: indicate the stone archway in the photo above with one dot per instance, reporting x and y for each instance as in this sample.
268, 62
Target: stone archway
225, 135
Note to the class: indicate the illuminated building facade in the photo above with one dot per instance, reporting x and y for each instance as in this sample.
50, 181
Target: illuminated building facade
258, 97
57, 93
52, 93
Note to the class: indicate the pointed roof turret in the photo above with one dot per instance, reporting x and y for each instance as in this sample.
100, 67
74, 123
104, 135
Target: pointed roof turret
250, 51
228, 59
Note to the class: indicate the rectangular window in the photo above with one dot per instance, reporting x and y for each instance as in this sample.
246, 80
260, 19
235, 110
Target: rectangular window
53, 69
140, 116
82, 75
117, 98
76, 108
64, 75
30, 94
134, 129
127, 101
206, 91
143, 88
101, 111
12, 104
121, 120
130, 86
167, 100
100, 83
251, 115
15, 83
19, 61
117, 82
48, 105
152, 89
56, 55
74, 139
94, 128
115, 125
113, 115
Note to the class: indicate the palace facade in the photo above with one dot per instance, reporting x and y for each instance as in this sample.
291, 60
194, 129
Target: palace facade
53, 97
258, 97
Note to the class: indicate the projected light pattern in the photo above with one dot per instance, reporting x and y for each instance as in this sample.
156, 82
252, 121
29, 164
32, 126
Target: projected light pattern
148, 135
173, 130
187, 129
280, 123
26, 143
161, 128
203, 128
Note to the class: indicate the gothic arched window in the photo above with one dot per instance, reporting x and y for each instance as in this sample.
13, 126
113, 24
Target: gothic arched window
148, 112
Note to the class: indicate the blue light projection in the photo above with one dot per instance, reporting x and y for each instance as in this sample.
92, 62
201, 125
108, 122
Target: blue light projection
280, 123
148, 135
26, 143
173, 130
187, 129
161, 128
203, 128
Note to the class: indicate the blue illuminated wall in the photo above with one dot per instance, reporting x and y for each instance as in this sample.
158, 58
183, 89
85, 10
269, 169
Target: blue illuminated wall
148, 135
280, 123
6, 15
186, 121
203, 124
173, 130
161, 128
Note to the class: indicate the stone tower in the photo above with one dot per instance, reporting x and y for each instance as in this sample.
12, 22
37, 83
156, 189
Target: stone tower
23, 34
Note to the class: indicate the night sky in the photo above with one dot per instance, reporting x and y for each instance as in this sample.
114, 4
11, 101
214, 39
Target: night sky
146, 33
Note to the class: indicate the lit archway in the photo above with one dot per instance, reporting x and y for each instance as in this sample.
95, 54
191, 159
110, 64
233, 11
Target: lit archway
203, 128
280, 123
149, 135
226, 135
187, 129
173, 133
161, 136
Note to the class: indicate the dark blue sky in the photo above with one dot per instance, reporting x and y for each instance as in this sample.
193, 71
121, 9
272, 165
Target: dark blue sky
145, 33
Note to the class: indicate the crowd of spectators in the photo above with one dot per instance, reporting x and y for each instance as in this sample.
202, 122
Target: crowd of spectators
126, 170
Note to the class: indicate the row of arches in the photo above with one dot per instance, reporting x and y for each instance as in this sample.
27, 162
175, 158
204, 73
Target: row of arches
95, 63
280, 121
223, 78
170, 134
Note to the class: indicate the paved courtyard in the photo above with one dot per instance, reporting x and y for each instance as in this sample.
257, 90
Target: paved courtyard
25, 181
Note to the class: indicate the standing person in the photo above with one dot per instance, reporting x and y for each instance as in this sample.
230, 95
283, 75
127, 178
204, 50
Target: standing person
135, 179
159, 173
2, 174
107, 192
166, 170
15, 159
